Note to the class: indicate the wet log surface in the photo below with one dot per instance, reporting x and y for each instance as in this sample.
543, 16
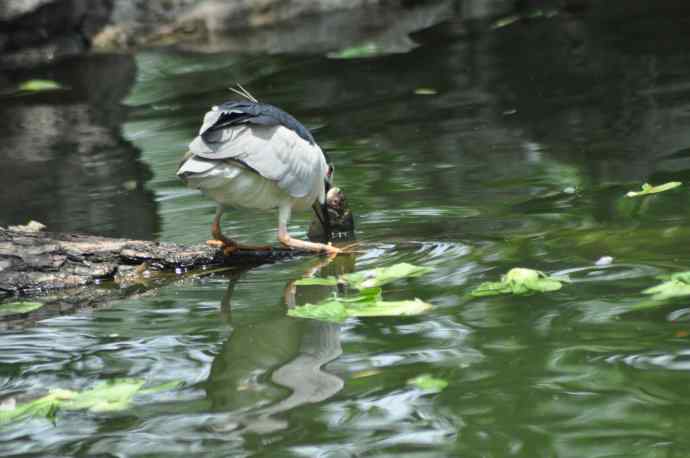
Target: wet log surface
69, 271
36, 262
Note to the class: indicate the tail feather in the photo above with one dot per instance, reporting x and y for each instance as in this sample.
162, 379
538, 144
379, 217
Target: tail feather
192, 165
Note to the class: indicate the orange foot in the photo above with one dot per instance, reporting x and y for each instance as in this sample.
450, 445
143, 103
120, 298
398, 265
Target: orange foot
227, 246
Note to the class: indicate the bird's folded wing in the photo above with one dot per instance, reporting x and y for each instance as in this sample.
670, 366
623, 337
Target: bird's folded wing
275, 152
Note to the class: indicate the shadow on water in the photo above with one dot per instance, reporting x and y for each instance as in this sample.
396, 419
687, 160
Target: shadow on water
63, 156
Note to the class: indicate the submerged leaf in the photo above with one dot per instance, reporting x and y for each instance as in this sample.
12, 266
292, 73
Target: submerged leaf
519, 280
14, 308
428, 383
39, 85
104, 396
649, 189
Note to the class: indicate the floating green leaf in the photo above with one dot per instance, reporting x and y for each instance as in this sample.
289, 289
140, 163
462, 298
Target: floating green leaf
425, 91
678, 285
383, 275
337, 311
428, 383
649, 189
103, 397
332, 311
106, 396
356, 52
46, 406
518, 281
388, 308
505, 21
39, 85
328, 281
14, 308
368, 300
364, 296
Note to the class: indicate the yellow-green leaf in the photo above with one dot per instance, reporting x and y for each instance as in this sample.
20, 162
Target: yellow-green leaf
428, 383
425, 91
40, 85
331, 310
649, 189
519, 280
356, 52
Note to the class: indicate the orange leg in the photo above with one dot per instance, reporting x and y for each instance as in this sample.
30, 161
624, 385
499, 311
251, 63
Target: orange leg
285, 239
229, 246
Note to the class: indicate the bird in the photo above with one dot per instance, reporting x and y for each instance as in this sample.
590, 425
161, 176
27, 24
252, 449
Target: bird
249, 154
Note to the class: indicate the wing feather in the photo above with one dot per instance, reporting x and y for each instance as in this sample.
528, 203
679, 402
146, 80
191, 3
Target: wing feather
275, 152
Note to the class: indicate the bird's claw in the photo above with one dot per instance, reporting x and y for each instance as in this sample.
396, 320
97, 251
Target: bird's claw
333, 251
228, 248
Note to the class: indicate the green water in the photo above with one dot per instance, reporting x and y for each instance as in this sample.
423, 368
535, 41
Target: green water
521, 158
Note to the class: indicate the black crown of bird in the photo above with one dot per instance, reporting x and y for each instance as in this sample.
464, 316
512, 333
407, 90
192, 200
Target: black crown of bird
250, 154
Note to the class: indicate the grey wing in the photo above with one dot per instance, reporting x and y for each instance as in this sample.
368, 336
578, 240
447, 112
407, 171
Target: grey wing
275, 152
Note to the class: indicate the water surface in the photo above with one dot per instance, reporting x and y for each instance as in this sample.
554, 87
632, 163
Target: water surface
520, 158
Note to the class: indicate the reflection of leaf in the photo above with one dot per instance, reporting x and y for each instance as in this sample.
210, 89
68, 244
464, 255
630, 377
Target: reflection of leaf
677, 286
39, 85
519, 280
649, 189
383, 275
102, 397
356, 52
428, 383
329, 281
14, 308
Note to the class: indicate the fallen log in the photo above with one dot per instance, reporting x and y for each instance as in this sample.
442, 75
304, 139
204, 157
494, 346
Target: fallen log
73, 270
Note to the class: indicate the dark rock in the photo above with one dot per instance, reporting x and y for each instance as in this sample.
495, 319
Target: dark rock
33, 32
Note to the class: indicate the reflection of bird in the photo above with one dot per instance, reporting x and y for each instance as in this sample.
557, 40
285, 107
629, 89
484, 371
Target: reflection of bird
254, 155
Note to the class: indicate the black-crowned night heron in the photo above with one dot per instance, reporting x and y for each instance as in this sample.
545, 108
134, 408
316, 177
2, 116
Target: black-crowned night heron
254, 155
